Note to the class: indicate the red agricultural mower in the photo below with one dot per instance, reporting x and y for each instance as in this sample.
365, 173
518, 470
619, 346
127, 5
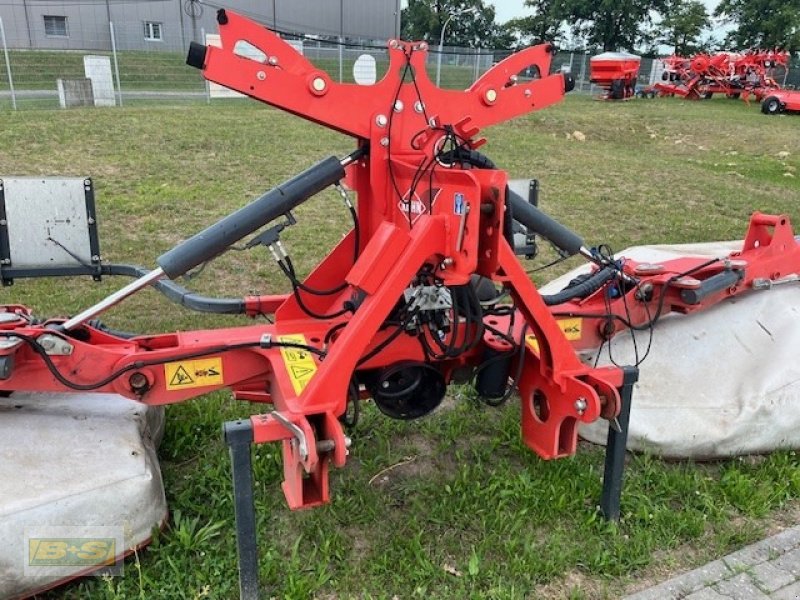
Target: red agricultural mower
735, 75
779, 101
425, 289
616, 73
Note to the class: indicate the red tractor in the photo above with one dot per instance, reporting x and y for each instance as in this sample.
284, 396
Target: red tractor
615, 73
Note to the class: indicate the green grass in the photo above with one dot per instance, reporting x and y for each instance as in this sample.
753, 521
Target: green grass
474, 514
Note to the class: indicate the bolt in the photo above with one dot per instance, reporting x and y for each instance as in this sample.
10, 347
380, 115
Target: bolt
385, 384
581, 405
384, 141
138, 382
273, 60
47, 343
419, 106
318, 84
398, 106
491, 95
423, 46
447, 262
528, 93
394, 44
261, 75
325, 446
381, 120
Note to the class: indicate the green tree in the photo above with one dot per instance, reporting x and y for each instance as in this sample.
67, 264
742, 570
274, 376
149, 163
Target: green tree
683, 22
762, 23
473, 23
612, 24
544, 25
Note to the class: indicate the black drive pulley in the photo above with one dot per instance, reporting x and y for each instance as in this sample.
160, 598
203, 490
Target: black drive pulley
408, 390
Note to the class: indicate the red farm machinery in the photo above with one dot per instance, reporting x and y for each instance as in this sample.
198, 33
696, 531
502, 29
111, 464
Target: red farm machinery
732, 74
426, 288
615, 73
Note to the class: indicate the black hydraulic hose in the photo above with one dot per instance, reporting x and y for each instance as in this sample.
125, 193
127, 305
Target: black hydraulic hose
218, 237
582, 289
179, 294
538, 222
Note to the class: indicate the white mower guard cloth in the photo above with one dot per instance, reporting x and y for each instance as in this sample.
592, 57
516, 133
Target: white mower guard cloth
721, 382
75, 460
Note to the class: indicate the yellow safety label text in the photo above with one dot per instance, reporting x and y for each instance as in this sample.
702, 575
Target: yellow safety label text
187, 374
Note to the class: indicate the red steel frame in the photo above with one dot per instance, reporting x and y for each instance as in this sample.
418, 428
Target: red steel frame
402, 122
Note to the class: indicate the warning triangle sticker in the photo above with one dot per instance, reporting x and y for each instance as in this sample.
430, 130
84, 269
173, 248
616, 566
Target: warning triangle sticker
181, 377
301, 372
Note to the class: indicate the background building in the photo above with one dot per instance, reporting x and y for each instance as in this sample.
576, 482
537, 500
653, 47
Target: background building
172, 24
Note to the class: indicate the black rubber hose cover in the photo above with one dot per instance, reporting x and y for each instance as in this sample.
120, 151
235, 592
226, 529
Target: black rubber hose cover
538, 222
217, 238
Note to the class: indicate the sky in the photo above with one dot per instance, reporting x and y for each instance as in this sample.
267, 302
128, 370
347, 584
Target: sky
508, 9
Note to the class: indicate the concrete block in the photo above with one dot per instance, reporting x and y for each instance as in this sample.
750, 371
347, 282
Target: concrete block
74, 92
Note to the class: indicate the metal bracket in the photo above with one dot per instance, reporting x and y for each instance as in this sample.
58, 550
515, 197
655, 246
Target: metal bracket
299, 435
615, 449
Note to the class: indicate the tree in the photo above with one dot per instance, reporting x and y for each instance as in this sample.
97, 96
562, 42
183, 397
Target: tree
612, 24
473, 26
683, 22
544, 25
762, 23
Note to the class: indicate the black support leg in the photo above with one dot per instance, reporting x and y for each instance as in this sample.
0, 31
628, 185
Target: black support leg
239, 437
615, 449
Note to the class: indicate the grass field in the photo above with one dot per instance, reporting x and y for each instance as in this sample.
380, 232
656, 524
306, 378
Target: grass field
470, 513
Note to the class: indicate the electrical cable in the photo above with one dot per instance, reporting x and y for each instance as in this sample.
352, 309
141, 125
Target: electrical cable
61, 378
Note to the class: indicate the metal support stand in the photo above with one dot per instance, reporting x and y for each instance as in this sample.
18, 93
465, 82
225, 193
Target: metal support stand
615, 449
239, 436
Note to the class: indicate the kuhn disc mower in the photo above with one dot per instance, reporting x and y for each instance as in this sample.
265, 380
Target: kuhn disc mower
424, 290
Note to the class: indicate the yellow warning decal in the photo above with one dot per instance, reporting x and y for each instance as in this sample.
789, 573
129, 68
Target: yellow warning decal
571, 327
187, 374
300, 364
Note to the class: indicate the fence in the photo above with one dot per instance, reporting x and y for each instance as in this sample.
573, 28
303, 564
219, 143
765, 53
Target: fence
158, 73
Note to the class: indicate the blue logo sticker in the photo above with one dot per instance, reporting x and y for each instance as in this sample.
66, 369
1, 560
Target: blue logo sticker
458, 203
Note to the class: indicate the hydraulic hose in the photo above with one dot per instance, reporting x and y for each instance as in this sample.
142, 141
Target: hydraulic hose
580, 289
217, 238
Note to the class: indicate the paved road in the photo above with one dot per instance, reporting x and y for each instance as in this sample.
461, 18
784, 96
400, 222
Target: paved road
767, 570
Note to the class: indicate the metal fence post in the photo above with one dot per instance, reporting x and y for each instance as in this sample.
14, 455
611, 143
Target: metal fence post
341, 58
583, 70
8, 66
206, 84
116, 63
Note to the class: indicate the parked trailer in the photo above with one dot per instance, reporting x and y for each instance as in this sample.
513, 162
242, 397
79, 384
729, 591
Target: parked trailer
615, 73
